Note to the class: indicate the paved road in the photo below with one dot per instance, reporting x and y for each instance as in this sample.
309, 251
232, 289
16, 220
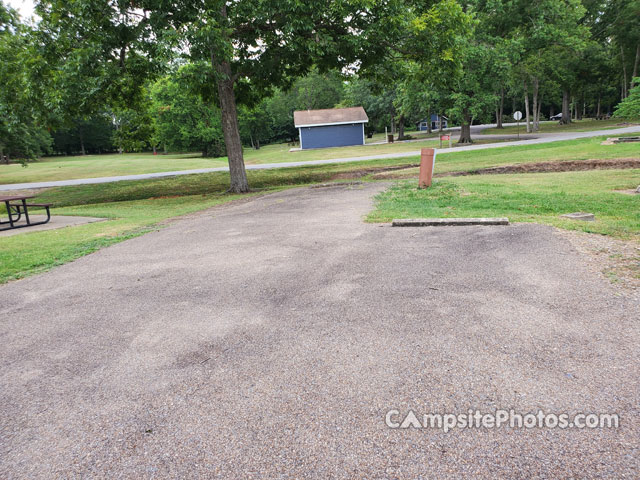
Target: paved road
269, 339
542, 138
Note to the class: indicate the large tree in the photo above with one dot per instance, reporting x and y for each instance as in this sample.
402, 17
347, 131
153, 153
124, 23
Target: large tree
474, 92
22, 114
251, 47
363, 92
99, 57
618, 22
424, 52
182, 120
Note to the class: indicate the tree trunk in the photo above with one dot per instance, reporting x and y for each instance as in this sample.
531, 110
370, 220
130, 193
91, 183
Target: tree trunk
635, 65
566, 108
538, 113
500, 110
230, 129
536, 84
429, 122
6, 160
440, 121
465, 128
571, 108
624, 74
120, 150
82, 145
393, 124
526, 106
598, 115
401, 127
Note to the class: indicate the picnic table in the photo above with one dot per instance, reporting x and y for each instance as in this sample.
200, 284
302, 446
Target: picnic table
17, 206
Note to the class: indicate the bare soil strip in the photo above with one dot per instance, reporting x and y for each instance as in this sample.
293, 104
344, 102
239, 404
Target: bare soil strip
615, 259
374, 170
539, 167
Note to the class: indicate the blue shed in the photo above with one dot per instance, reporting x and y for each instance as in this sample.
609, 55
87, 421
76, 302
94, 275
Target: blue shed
334, 127
435, 122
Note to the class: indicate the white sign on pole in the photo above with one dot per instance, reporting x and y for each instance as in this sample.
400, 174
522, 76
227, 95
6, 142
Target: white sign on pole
517, 116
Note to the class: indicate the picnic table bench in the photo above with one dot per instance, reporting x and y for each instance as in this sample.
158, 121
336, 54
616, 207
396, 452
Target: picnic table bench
17, 206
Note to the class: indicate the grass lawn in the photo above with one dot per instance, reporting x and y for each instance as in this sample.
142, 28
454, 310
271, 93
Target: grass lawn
64, 168
586, 125
569, 150
137, 206
534, 197
91, 166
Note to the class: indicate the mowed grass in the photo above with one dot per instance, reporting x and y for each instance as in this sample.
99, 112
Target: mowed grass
533, 197
568, 150
585, 125
92, 166
66, 168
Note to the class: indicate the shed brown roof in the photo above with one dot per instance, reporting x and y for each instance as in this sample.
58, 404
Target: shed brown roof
330, 116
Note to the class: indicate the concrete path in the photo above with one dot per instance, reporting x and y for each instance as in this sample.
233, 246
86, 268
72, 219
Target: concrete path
57, 221
269, 339
542, 138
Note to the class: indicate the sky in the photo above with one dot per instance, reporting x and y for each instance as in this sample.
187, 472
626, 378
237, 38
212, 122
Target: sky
24, 7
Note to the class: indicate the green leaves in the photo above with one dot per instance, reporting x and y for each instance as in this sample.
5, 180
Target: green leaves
22, 114
182, 120
629, 108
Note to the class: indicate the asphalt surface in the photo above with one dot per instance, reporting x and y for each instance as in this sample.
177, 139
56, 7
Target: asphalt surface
268, 339
540, 138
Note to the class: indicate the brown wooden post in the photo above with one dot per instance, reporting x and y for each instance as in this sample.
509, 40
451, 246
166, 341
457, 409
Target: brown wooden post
427, 164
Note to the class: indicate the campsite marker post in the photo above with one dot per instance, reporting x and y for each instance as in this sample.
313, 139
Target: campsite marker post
517, 115
427, 164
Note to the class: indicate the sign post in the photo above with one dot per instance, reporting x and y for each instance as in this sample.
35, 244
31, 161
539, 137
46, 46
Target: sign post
427, 164
517, 115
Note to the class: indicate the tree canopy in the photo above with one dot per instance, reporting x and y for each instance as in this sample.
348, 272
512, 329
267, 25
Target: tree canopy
215, 76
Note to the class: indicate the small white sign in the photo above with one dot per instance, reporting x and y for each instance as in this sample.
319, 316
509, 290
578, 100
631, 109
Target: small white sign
517, 116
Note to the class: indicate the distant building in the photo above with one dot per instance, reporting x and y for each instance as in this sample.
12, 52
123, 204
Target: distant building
423, 125
335, 127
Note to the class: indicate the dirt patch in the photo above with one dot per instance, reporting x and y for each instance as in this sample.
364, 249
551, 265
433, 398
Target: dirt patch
539, 167
632, 191
336, 184
29, 191
371, 171
560, 166
616, 260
